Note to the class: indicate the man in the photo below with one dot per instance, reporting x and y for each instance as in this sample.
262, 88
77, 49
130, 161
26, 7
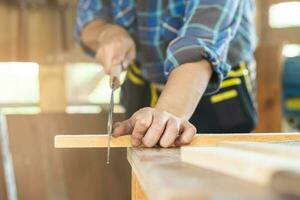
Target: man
180, 51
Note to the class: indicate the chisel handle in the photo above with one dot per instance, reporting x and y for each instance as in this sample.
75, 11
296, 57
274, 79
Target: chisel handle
115, 76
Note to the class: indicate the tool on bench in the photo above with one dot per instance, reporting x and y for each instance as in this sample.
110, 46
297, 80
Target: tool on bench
114, 84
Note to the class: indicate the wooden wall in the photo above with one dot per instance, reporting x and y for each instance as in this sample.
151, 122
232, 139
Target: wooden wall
9, 32
42, 33
43, 172
269, 67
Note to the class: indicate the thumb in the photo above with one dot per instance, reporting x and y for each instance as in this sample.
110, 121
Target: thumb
122, 128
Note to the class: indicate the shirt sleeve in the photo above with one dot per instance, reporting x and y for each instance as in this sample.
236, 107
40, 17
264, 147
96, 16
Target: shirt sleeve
209, 26
89, 10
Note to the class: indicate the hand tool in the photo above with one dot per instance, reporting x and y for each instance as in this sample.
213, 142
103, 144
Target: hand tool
114, 84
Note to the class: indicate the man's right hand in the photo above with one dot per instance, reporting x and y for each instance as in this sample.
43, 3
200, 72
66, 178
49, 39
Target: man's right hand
115, 46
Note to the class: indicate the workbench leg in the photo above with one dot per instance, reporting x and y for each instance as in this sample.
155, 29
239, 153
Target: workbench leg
137, 192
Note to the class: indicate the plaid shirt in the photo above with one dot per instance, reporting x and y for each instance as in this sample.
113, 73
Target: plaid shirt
169, 33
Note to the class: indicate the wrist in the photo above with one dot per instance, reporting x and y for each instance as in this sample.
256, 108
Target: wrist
185, 86
164, 106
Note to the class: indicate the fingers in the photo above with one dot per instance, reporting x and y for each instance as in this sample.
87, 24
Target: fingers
116, 51
170, 134
149, 126
156, 129
108, 57
187, 133
142, 122
122, 128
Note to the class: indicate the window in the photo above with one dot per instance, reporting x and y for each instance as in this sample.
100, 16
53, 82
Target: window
291, 50
87, 84
19, 87
87, 88
284, 15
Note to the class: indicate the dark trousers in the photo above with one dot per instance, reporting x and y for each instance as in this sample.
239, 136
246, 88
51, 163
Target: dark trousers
230, 110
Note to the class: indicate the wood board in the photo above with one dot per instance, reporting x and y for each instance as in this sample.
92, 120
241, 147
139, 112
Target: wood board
269, 169
284, 149
100, 141
163, 176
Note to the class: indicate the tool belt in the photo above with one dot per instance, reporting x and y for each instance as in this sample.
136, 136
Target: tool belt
230, 110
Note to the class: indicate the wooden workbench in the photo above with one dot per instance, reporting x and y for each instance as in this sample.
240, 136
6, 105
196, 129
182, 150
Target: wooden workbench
158, 174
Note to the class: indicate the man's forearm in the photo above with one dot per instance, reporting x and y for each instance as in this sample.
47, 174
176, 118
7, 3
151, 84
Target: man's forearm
185, 86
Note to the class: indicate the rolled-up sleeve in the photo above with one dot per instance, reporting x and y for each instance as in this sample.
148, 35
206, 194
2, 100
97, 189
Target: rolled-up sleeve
209, 26
89, 10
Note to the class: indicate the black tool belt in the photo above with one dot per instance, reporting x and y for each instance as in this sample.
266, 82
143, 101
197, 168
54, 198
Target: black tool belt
230, 110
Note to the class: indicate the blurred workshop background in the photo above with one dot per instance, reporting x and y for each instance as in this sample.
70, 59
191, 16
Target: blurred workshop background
49, 86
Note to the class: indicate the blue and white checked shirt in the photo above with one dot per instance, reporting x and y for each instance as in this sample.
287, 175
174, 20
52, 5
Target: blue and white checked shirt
169, 33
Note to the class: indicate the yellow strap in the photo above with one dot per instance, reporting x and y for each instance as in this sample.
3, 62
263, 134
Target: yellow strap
237, 73
247, 77
154, 96
293, 103
242, 71
231, 82
136, 80
223, 96
135, 69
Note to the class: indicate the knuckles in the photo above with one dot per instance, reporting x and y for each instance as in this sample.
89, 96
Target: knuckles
158, 121
192, 128
184, 140
146, 109
147, 143
143, 123
164, 144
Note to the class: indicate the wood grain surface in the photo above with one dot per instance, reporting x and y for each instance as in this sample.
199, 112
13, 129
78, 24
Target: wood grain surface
97, 140
163, 176
265, 166
283, 149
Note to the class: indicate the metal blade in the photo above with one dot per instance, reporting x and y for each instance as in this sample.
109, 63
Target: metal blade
110, 119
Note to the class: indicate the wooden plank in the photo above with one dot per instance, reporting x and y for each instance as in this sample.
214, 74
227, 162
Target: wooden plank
278, 149
258, 168
137, 192
90, 141
163, 176
94, 141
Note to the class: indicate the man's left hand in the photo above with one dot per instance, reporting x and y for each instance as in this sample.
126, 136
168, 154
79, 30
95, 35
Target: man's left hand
150, 126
